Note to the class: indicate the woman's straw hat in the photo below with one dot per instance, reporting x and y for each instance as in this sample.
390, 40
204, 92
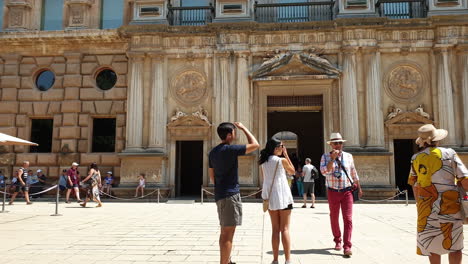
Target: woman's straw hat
428, 134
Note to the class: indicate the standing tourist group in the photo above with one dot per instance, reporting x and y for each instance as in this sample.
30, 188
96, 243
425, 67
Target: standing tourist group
436, 174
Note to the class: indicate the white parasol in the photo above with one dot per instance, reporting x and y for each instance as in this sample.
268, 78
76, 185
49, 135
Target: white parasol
10, 140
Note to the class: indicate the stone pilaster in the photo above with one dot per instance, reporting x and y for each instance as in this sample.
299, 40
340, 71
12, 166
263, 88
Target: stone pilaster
350, 112
157, 133
135, 103
243, 93
463, 56
445, 96
374, 115
224, 93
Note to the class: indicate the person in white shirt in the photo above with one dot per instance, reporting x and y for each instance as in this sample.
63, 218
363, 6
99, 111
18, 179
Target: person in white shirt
276, 189
309, 172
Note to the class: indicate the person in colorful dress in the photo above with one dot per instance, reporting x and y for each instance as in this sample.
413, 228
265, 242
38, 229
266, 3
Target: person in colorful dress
92, 184
340, 190
434, 174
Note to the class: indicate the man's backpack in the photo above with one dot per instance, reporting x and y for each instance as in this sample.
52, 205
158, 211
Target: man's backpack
314, 173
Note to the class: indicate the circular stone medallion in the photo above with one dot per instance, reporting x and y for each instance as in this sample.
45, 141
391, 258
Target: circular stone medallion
404, 82
189, 87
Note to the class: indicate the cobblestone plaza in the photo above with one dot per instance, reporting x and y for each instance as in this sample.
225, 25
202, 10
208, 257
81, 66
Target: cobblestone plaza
188, 233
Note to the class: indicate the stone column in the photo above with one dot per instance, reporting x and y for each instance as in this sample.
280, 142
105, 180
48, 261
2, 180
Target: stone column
445, 96
463, 55
157, 133
374, 115
135, 103
350, 112
224, 95
243, 93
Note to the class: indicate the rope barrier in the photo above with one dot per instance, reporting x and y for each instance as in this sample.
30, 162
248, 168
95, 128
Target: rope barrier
128, 199
43, 191
210, 193
387, 199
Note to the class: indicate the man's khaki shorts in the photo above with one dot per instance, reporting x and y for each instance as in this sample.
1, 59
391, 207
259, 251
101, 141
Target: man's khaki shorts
230, 210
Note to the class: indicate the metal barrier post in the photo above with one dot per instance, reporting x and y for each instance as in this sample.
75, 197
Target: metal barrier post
4, 198
406, 195
201, 198
158, 195
57, 201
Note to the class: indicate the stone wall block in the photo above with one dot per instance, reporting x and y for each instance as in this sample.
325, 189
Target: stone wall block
120, 68
60, 59
88, 158
118, 107
58, 120
29, 95
65, 160
9, 131
22, 120
72, 93
83, 146
103, 107
83, 120
70, 119
10, 69
89, 82
89, 58
22, 157
120, 120
54, 172
58, 82
69, 133
121, 81
73, 68
9, 94
7, 159
55, 94
20, 149
54, 108
27, 69
119, 133
110, 160
58, 68
7, 120
84, 133
56, 145
11, 81
24, 108
71, 107
8, 107
119, 145
88, 68
105, 59
22, 132
27, 83
40, 108
91, 94
116, 94
68, 145
44, 61
88, 107
28, 60
47, 159
119, 58
72, 81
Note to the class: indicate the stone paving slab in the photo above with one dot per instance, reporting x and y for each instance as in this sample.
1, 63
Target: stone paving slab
188, 233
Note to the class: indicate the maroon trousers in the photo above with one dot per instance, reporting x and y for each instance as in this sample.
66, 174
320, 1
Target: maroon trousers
343, 200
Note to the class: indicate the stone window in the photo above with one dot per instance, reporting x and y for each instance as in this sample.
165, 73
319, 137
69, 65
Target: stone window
104, 135
106, 79
45, 80
41, 133
52, 15
112, 13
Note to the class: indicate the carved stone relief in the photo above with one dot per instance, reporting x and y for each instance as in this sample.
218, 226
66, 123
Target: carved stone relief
404, 83
189, 87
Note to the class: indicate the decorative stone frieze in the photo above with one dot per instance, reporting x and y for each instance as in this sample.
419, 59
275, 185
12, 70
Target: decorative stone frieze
80, 14
19, 15
189, 87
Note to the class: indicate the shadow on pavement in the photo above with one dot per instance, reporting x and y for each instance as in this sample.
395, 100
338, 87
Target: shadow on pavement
318, 251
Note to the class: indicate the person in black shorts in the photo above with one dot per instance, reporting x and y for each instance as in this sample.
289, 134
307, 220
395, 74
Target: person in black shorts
223, 172
21, 183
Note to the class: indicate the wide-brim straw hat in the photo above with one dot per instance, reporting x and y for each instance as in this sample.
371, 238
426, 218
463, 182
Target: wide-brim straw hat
335, 137
428, 134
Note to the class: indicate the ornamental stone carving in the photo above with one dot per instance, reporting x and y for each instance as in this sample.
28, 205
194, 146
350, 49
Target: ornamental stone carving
404, 83
189, 87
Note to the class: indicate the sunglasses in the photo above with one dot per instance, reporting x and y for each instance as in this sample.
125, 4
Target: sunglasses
337, 143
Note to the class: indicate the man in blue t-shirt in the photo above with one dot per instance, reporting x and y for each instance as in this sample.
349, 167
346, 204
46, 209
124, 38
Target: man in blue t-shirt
223, 173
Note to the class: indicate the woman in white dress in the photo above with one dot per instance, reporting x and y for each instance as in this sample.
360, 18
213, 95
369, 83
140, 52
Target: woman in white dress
274, 170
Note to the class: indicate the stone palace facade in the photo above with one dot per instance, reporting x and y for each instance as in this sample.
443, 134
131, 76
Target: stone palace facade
147, 95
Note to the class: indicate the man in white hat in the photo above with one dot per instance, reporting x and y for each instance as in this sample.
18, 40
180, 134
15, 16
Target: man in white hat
341, 179
74, 180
